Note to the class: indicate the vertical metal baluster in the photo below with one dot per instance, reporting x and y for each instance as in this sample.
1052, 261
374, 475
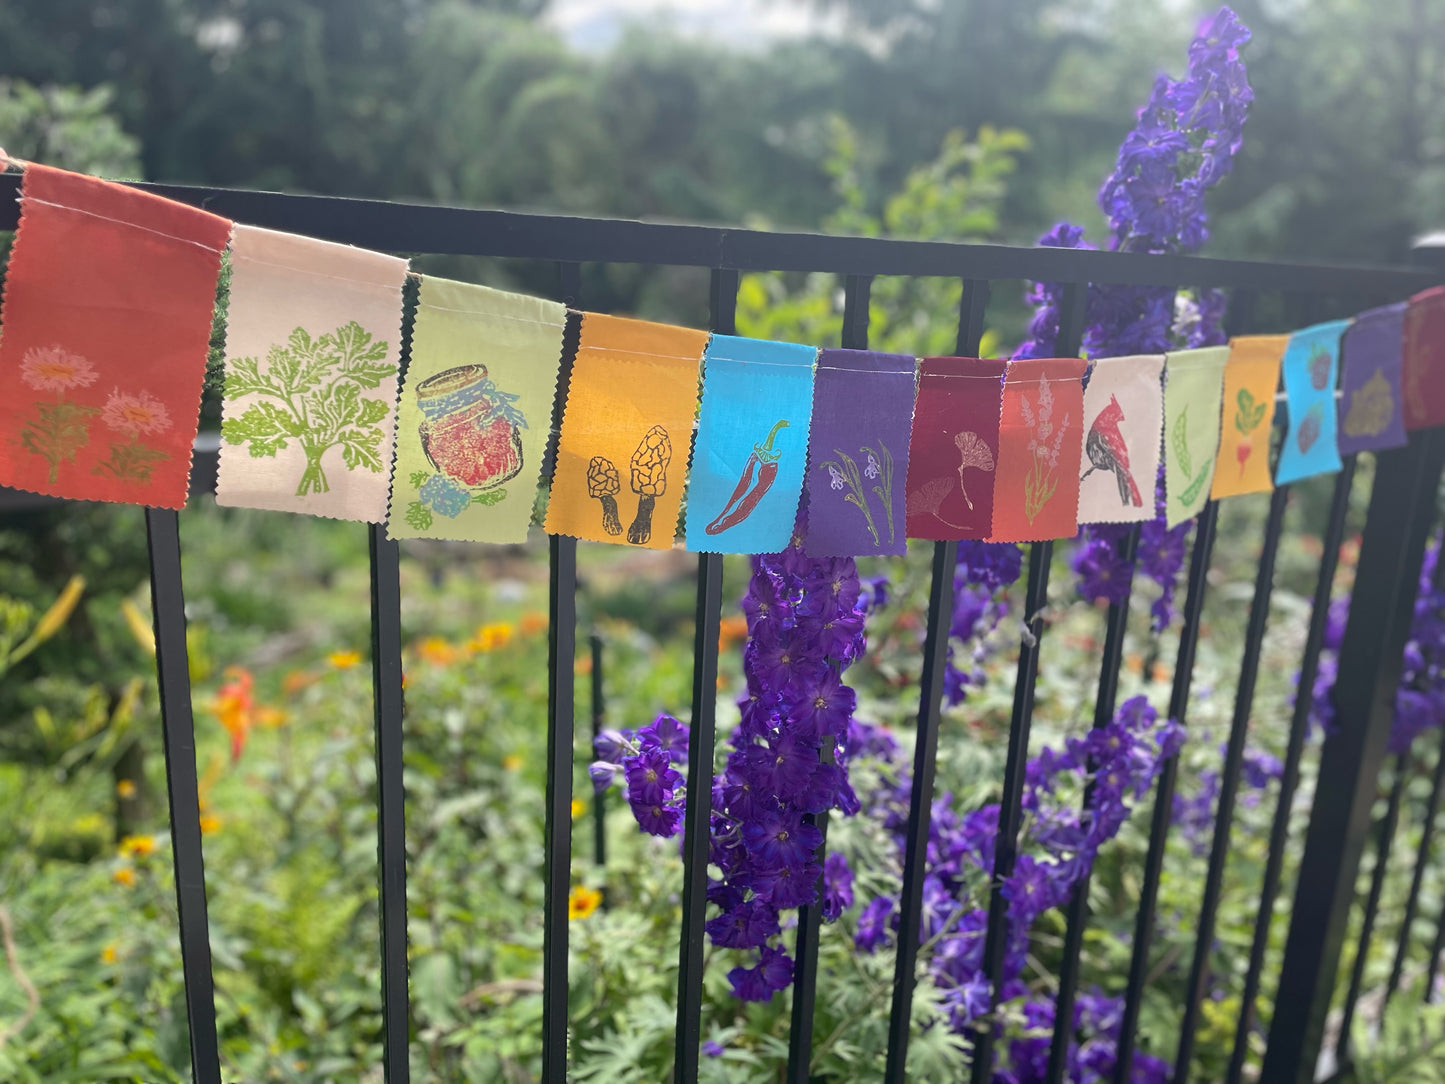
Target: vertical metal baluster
856, 289
925, 749
1117, 624
697, 814
1422, 860
599, 720
1384, 837
1036, 597
391, 800
1381, 605
1164, 793
1229, 781
1289, 775
561, 667
168, 607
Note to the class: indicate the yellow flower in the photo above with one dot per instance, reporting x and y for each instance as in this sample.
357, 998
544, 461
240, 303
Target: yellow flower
583, 901
511, 762
125, 789
490, 637
578, 808
125, 876
270, 718
344, 660
108, 955
437, 651
138, 846
210, 823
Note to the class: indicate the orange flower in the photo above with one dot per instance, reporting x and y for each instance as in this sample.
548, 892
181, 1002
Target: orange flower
125, 877
138, 846
732, 630
125, 789
533, 622
210, 823
296, 680
235, 707
108, 955
437, 651
269, 718
344, 660
490, 637
579, 807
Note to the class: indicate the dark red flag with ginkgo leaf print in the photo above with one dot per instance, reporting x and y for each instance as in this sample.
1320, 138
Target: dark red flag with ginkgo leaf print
107, 318
953, 451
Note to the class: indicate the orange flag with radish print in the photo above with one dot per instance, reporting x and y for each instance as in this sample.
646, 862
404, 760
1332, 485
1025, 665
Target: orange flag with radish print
1251, 379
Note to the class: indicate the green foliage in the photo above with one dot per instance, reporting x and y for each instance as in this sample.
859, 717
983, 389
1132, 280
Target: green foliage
1409, 1047
66, 126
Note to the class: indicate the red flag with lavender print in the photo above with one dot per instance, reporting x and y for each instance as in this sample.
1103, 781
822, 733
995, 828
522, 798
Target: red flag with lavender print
107, 318
953, 450
1041, 444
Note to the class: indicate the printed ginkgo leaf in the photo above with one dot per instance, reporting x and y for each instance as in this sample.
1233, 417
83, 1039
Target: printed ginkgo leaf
1179, 441
310, 391
929, 497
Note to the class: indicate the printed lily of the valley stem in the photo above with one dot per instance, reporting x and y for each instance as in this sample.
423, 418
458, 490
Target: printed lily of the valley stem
1042, 479
133, 415
61, 428
310, 392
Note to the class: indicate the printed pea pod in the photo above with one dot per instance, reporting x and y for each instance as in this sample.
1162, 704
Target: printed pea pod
758, 477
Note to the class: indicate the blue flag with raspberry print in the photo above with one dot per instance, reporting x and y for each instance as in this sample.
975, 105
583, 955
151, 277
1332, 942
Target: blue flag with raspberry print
1311, 366
752, 445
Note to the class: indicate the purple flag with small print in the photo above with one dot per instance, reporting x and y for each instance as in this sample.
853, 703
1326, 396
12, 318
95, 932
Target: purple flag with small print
1371, 413
858, 453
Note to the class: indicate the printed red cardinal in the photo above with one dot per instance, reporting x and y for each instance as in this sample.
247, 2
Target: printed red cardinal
1106, 451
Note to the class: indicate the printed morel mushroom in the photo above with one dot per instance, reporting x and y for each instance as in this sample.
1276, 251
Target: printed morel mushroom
604, 483
649, 480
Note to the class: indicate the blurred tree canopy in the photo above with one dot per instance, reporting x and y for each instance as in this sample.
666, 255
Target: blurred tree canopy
478, 101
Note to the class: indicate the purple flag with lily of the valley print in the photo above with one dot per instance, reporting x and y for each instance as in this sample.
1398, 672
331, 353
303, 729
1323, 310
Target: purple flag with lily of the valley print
1371, 411
858, 453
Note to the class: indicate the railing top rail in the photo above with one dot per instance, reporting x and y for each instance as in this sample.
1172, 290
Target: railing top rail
440, 230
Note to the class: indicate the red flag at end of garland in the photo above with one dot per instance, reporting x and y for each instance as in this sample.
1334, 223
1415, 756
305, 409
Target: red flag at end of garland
107, 317
1424, 360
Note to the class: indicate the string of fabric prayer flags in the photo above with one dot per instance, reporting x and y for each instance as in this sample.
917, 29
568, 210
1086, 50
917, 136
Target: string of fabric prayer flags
107, 318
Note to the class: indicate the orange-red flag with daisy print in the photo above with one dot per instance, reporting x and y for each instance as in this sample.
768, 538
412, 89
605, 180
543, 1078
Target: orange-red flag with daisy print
107, 318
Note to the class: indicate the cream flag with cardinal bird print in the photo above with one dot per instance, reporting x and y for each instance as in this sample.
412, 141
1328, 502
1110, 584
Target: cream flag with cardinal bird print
1123, 430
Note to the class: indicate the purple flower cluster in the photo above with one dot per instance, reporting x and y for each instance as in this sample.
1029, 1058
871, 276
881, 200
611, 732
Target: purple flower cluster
981, 578
1193, 813
788, 760
1121, 762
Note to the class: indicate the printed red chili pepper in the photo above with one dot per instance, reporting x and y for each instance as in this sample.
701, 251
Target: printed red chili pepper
748, 492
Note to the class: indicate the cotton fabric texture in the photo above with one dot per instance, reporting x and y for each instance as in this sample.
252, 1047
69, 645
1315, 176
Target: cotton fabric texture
1311, 371
1123, 428
1193, 390
313, 333
1250, 380
1370, 412
953, 451
475, 413
751, 452
107, 317
622, 452
1424, 360
1036, 494
858, 453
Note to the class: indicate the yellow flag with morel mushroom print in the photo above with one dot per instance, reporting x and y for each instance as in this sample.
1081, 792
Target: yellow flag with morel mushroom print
626, 432
1250, 380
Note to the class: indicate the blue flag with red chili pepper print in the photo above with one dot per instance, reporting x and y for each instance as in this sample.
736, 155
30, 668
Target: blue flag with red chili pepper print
752, 445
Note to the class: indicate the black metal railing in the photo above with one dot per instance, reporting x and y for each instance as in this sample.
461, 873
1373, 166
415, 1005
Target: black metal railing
1402, 510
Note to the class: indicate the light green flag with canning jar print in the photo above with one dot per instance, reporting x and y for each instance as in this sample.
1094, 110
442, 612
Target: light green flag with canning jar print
475, 413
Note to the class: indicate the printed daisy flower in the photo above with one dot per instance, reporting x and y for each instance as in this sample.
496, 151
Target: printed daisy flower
53, 368
135, 413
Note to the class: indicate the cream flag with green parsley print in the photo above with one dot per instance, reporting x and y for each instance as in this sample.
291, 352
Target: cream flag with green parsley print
475, 412
313, 334
1193, 391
